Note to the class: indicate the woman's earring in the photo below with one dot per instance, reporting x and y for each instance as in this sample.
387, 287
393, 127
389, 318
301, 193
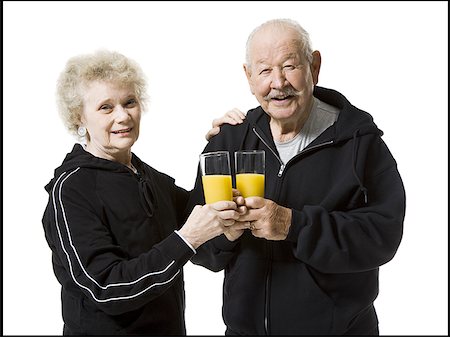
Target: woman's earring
81, 131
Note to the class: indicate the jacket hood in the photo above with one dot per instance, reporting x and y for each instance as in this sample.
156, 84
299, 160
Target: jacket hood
78, 157
352, 122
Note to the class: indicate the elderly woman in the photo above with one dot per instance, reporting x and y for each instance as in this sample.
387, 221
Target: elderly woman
118, 228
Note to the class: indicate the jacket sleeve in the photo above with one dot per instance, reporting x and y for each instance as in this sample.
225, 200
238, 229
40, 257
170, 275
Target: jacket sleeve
96, 264
215, 254
361, 237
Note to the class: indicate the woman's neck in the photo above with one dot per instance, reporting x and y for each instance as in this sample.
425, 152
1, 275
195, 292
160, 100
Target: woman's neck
123, 157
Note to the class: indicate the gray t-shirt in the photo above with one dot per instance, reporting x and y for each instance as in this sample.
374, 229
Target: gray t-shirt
322, 116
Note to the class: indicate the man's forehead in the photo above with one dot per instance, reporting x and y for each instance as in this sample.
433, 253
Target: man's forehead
283, 52
276, 39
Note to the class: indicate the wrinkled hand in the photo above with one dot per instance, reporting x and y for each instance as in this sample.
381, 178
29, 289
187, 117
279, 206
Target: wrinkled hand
233, 117
266, 218
208, 221
235, 231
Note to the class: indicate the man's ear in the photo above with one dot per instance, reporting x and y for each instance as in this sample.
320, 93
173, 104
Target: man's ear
315, 66
248, 73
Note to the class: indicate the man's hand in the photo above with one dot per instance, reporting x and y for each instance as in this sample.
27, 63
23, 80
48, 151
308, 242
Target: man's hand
232, 117
267, 219
235, 231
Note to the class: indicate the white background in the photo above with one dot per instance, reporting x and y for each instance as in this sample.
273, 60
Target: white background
388, 58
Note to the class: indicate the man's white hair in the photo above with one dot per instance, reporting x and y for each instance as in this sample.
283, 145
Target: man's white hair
303, 37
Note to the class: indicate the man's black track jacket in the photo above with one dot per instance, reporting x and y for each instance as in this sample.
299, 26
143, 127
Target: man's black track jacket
348, 206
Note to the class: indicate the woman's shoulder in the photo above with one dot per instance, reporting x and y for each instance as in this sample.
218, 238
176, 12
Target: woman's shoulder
79, 178
156, 174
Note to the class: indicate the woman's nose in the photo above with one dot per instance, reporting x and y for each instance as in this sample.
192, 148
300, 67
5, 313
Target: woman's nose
121, 113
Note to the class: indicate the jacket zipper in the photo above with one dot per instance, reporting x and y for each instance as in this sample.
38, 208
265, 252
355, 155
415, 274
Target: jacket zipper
269, 264
282, 165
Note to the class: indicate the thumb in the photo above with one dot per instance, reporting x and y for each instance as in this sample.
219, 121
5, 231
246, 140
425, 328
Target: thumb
212, 132
255, 202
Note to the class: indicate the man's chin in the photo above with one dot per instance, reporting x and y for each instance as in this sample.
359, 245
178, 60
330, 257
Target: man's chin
281, 112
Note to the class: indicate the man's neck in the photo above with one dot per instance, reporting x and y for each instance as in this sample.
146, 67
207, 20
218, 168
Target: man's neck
285, 130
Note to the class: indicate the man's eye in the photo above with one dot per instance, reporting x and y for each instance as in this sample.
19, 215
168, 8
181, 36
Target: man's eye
264, 71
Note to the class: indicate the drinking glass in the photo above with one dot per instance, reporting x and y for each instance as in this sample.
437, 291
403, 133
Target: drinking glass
216, 176
250, 170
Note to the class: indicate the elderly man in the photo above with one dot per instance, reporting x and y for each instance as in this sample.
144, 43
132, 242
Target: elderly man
334, 201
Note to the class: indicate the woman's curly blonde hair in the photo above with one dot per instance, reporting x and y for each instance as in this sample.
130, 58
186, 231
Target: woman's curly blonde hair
102, 65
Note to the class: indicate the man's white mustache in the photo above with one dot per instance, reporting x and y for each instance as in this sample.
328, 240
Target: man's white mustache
281, 93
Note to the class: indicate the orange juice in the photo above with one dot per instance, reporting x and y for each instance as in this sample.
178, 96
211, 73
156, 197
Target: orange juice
217, 188
250, 184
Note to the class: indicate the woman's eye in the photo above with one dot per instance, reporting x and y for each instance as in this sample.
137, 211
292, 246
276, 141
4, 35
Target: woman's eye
289, 67
131, 103
105, 107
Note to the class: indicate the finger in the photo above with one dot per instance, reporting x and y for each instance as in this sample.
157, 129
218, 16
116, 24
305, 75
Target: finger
236, 192
211, 133
240, 201
228, 223
226, 119
240, 225
242, 210
247, 217
224, 205
238, 115
257, 233
229, 214
255, 202
233, 119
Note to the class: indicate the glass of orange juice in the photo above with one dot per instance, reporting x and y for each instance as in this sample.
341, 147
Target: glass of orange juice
250, 170
216, 176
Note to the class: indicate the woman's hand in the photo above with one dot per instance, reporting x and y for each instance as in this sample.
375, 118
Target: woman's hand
208, 221
235, 231
233, 117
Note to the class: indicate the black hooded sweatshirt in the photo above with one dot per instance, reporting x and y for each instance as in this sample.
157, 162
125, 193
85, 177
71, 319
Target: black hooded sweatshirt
348, 207
115, 252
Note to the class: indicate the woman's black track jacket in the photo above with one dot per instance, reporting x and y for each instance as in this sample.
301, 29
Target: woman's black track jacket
115, 252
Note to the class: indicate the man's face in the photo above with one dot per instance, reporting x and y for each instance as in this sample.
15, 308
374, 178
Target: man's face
279, 76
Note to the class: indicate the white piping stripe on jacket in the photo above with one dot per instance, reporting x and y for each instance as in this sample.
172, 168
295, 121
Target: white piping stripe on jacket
78, 258
79, 261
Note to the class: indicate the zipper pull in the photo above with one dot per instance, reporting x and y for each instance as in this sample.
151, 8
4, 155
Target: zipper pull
280, 172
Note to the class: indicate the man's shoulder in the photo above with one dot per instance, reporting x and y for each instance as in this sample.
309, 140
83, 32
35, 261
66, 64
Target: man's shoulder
252, 117
228, 136
231, 136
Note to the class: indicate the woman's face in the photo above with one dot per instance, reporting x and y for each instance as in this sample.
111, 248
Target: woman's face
111, 115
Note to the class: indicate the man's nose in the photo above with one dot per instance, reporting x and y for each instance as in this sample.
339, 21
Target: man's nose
278, 79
